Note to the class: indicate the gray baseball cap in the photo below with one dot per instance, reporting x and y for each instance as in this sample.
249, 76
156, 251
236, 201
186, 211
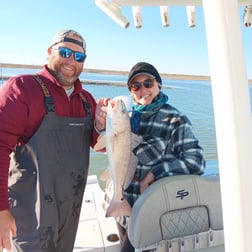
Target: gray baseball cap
69, 36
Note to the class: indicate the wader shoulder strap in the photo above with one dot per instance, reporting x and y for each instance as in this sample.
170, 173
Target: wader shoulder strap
86, 105
49, 101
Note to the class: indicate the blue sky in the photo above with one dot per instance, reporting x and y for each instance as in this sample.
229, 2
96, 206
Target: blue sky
28, 26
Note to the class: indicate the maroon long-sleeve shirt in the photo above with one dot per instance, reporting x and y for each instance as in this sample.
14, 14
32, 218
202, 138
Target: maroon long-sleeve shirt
22, 109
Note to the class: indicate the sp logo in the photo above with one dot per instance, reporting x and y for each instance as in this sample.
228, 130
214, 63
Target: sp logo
181, 194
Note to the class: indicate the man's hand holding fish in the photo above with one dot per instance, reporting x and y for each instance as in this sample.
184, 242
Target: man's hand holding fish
100, 114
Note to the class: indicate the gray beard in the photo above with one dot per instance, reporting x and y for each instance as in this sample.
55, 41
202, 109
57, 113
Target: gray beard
65, 81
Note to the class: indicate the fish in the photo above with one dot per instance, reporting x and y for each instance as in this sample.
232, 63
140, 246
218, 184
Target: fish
118, 142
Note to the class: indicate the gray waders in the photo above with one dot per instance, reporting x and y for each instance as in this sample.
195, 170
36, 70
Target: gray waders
47, 180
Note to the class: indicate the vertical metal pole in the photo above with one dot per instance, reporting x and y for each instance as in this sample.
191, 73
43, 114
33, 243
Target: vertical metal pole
232, 119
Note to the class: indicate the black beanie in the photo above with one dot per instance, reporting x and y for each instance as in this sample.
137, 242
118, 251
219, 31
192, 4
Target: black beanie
144, 68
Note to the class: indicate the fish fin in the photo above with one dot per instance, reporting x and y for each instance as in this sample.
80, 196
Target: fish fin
101, 142
118, 208
131, 170
105, 176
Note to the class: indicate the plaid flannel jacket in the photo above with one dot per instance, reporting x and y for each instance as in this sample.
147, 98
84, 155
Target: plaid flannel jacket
169, 147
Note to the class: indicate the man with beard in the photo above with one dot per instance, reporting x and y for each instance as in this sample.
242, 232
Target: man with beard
47, 124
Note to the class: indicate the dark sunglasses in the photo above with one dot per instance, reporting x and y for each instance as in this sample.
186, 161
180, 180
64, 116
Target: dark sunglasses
66, 53
148, 83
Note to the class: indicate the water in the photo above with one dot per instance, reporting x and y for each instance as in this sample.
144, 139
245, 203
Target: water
194, 98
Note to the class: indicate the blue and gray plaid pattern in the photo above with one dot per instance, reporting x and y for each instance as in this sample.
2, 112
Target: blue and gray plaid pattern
169, 147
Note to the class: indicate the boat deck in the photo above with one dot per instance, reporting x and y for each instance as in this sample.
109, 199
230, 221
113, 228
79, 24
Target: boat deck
95, 232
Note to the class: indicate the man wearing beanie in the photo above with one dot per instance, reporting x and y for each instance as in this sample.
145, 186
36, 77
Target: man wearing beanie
167, 147
46, 129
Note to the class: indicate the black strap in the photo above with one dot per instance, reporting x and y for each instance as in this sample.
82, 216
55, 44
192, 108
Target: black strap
86, 105
77, 42
49, 101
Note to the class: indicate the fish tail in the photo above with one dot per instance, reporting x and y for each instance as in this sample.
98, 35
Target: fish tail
118, 208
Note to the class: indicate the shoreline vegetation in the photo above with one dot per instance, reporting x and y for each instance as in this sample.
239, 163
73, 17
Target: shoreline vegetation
113, 72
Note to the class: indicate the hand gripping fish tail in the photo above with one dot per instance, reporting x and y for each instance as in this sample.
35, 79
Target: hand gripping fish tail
118, 208
118, 147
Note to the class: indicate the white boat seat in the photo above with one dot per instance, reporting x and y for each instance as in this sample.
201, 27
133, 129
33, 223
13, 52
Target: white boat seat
178, 213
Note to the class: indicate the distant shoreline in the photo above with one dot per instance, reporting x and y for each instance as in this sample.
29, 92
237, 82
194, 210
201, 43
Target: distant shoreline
115, 72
